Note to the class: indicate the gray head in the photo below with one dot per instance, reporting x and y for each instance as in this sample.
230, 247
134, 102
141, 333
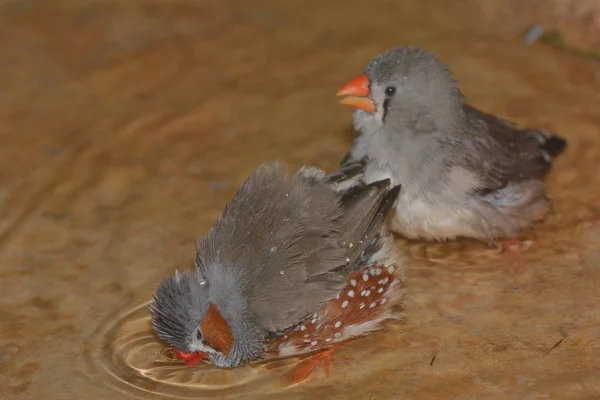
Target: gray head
184, 318
177, 309
404, 85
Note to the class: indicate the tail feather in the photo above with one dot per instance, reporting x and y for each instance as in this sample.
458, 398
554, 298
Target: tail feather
550, 143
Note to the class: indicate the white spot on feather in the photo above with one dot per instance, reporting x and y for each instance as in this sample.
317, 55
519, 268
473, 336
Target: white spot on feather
371, 305
345, 303
338, 324
390, 269
350, 293
288, 349
546, 156
365, 277
302, 327
365, 327
352, 282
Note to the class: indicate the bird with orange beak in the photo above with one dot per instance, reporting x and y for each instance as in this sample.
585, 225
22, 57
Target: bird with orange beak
464, 172
293, 266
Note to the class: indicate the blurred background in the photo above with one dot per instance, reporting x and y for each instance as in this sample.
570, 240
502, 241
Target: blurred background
125, 126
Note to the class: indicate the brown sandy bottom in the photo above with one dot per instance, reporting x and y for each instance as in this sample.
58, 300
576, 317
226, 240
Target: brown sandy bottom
124, 129
573, 25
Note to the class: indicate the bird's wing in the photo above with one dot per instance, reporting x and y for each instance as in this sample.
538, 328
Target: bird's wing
500, 153
281, 241
349, 175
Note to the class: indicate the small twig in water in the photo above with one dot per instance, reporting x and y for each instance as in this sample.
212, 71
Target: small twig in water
534, 34
432, 360
555, 346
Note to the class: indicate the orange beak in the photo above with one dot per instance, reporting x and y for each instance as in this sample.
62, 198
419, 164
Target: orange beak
357, 92
190, 359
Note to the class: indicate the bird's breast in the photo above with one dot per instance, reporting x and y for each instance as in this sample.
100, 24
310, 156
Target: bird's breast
417, 217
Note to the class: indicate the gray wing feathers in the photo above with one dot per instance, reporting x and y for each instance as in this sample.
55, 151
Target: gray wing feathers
281, 239
501, 153
348, 176
365, 210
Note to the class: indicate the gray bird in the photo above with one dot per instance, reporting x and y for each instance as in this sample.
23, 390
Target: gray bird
464, 173
293, 265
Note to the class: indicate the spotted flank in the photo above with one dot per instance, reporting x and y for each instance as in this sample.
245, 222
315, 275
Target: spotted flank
360, 307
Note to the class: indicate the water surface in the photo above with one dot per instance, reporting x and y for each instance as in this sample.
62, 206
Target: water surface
124, 129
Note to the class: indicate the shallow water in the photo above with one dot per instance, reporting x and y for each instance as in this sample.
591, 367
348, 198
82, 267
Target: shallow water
126, 351
124, 129
126, 355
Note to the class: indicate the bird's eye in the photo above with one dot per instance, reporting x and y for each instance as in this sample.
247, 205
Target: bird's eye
199, 334
390, 91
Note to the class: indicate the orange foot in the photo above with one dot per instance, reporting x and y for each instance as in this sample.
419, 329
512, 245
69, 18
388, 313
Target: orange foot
515, 247
303, 372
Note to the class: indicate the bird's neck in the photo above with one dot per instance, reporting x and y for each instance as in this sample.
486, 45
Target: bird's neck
404, 146
247, 336
417, 118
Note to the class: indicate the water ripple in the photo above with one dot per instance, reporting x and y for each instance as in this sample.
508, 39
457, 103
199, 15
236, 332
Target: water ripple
133, 360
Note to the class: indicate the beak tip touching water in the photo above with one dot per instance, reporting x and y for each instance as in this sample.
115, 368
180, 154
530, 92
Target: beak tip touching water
190, 359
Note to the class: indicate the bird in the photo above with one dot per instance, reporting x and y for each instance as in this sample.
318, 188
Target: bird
294, 265
464, 172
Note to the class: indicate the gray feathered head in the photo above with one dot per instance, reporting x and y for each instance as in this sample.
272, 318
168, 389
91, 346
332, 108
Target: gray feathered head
404, 82
177, 309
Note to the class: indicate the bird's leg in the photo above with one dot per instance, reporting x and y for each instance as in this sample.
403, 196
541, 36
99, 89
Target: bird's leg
515, 246
303, 372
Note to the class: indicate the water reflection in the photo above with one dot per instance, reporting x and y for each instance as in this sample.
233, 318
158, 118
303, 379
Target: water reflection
126, 349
